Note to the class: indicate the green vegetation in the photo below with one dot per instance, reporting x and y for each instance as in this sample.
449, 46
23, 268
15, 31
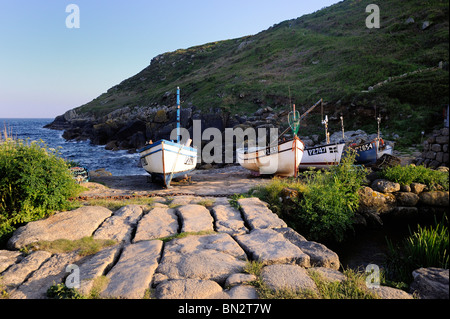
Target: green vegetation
426, 247
353, 287
406, 175
85, 246
61, 291
321, 204
115, 204
34, 183
328, 54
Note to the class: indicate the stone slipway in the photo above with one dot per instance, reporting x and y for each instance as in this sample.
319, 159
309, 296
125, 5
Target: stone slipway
205, 262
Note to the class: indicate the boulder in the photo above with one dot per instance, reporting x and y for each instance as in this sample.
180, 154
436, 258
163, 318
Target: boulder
384, 292
436, 198
407, 199
71, 225
430, 283
385, 186
188, 289
239, 279
319, 255
417, 188
329, 274
371, 201
290, 277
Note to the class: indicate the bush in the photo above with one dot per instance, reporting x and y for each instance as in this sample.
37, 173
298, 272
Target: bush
326, 202
406, 175
34, 182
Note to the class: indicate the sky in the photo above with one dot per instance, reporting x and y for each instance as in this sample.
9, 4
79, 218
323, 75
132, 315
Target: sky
47, 68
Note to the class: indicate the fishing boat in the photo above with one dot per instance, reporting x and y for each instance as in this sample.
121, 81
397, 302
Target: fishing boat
281, 160
368, 153
165, 160
322, 156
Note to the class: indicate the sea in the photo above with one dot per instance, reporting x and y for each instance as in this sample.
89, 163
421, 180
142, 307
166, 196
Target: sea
93, 157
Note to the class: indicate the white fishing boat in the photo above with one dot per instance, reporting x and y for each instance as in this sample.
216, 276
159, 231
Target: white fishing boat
165, 160
281, 160
322, 156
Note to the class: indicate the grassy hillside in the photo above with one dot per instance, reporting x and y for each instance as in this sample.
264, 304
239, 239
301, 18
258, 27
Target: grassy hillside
329, 54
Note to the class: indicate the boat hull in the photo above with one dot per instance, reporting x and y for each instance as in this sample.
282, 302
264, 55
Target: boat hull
322, 156
368, 153
281, 160
165, 160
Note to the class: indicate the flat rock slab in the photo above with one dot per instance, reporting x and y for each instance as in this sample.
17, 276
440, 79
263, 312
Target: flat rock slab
120, 226
8, 258
133, 273
71, 225
270, 247
290, 277
228, 220
51, 272
95, 266
431, 283
158, 223
17, 273
320, 255
195, 218
206, 257
188, 289
258, 215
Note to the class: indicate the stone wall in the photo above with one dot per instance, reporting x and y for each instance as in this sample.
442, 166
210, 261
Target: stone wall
389, 201
435, 150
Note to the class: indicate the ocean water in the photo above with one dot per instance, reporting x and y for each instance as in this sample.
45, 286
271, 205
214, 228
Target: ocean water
119, 163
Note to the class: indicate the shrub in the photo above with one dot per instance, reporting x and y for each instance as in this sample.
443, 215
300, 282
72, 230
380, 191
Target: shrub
326, 201
416, 174
34, 182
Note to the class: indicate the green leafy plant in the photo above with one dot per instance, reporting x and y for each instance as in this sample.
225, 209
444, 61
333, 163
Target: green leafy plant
34, 182
61, 291
320, 204
416, 174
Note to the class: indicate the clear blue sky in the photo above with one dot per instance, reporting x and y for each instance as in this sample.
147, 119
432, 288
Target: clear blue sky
47, 68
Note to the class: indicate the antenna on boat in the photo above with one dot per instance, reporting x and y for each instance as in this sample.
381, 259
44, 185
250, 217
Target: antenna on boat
342, 126
327, 135
378, 131
178, 114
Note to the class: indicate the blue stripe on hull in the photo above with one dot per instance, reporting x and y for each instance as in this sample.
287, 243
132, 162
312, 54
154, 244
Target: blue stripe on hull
366, 157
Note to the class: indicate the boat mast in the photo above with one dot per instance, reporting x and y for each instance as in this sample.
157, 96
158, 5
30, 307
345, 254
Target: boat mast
178, 114
342, 125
